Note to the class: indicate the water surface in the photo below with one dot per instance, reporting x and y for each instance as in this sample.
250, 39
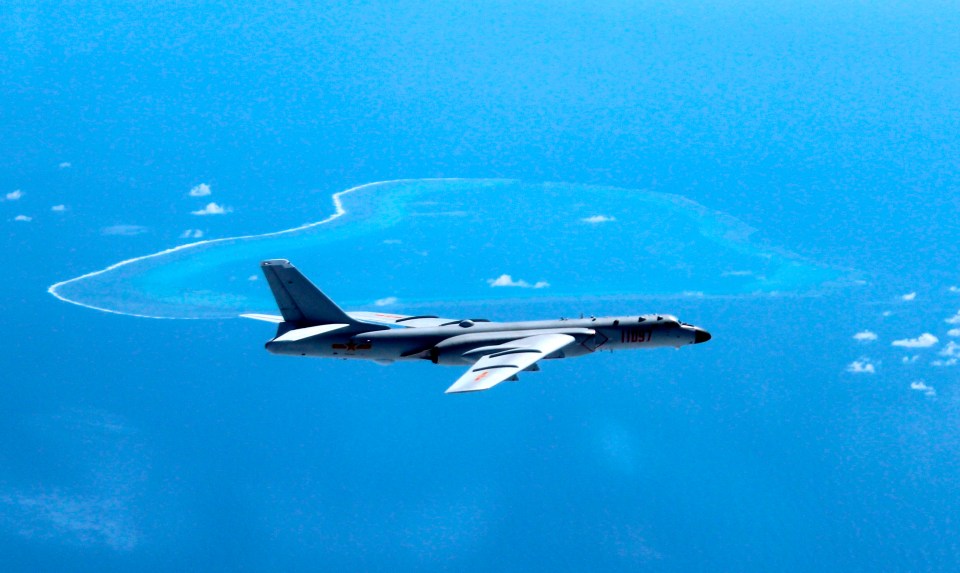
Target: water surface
410, 243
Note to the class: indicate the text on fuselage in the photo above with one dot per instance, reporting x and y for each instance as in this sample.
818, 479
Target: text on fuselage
635, 335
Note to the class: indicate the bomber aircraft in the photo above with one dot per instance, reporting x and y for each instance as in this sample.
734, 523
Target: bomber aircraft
313, 325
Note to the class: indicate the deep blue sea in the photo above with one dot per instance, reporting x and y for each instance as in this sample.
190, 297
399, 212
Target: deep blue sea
818, 430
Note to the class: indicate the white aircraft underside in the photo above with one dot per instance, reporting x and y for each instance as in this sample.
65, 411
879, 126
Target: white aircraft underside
312, 325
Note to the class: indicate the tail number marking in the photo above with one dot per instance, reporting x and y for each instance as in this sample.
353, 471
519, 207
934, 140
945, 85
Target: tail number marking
635, 335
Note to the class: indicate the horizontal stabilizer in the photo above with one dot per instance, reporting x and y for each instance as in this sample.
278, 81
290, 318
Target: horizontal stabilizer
264, 317
307, 332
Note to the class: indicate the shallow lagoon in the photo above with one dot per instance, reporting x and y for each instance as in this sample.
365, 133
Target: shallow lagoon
410, 243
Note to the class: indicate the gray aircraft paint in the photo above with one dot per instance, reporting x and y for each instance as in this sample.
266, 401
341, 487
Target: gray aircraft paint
313, 325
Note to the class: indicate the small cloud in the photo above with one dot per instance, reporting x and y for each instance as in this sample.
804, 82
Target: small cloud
507, 281
386, 301
865, 336
736, 273
954, 289
947, 362
862, 366
953, 332
201, 190
909, 296
925, 340
253, 278
58, 208
596, 219
124, 230
212, 209
921, 386
910, 359
23, 218
951, 350
14, 195
955, 319
192, 234
65, 165
886, 313
88, 520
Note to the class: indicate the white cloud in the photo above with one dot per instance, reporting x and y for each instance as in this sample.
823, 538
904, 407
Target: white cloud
947, 362
910, 359
58, 208
736, 273
595, 219
253, 278
386, 301
14, 195
124, 230
862, 366
954, 289
96, 506
886, 313
507, 281
909, 296
201, 190
955, 319
212, 209
925, 340
23, 218
953, 332
65, 165
85, 519
865, 336
921, 386
951, 350
192, 234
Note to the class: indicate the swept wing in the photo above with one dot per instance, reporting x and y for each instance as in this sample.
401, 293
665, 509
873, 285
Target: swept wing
406, 320
505, 361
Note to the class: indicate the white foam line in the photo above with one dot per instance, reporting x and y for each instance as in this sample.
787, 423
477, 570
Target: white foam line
338, 212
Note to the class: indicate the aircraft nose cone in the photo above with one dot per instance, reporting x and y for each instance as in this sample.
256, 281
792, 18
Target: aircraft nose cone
700, 335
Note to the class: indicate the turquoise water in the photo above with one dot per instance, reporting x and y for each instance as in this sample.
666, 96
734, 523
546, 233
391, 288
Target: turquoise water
410, 243
811, 433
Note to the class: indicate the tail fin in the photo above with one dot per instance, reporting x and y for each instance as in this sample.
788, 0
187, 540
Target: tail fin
300, 302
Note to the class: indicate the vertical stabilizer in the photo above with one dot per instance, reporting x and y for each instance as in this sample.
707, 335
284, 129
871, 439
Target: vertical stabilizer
300, 302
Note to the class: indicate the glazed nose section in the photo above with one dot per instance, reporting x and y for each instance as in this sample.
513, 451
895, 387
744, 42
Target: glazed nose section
700, 335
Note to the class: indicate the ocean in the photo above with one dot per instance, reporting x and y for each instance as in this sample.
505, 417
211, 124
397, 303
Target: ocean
817, 429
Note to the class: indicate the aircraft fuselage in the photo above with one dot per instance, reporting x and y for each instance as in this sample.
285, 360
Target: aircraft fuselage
451, 344
313, 325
